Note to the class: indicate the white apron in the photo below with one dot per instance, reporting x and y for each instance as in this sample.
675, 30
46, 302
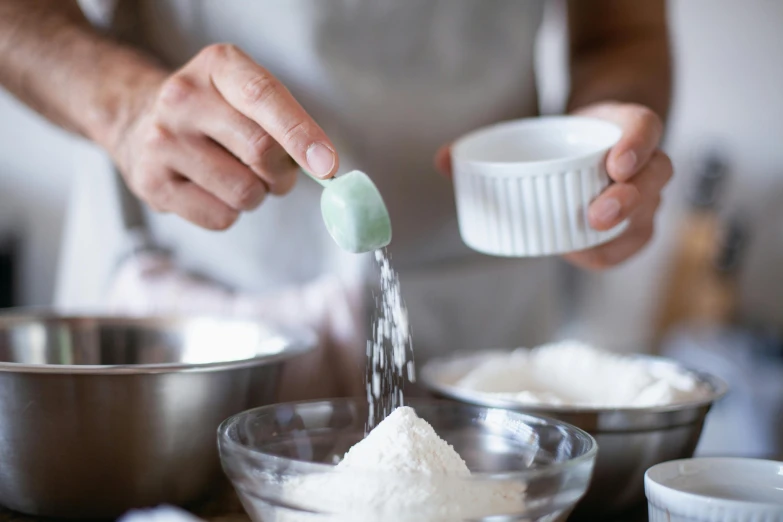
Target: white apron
390, 82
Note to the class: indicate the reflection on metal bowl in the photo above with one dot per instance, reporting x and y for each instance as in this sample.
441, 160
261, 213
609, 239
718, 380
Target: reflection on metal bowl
102, 414
630, 440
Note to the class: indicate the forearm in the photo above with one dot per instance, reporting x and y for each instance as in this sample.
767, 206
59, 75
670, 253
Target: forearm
55, 62
625, 62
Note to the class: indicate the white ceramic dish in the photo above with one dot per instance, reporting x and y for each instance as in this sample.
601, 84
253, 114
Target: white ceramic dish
523, 187
715, 490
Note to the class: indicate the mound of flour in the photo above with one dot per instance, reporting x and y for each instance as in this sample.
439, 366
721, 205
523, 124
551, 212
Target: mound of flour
402, 471
575, 374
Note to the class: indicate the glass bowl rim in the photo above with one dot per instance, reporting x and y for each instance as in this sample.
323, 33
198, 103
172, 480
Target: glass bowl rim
227, 444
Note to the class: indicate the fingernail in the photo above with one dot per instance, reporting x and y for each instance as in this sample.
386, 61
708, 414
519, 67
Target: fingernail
606, 211
625, 164
320, 159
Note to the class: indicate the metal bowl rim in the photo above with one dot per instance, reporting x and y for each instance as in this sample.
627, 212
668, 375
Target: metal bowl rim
225, 441
719, 389
303, 341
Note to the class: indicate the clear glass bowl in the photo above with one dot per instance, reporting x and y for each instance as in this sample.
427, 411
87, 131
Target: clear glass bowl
281, 461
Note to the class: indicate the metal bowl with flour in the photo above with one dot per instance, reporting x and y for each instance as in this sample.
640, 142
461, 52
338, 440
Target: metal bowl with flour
102, 414
630, 440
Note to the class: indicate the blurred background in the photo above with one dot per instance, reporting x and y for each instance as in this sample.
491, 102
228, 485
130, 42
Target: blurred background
709, 290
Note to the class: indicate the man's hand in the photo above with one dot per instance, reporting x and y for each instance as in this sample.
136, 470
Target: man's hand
639, 171
207, 142
214, 138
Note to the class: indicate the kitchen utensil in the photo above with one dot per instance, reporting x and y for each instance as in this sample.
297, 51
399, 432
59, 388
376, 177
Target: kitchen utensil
99, 415
354, 212
523, 187
261, 449
630, 440
715, 490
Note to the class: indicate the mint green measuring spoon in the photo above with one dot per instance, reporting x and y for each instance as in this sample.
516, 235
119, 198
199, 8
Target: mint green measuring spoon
354, 212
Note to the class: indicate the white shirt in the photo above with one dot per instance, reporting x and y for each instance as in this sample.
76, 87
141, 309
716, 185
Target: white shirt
390, 82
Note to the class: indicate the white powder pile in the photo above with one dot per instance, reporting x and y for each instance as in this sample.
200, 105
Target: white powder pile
575, 374
389, 352
402, 471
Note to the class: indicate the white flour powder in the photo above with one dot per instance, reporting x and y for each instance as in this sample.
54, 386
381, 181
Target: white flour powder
389, 352
402, 471
575, 374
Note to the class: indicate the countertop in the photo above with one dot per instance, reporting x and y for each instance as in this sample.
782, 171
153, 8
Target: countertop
225, 507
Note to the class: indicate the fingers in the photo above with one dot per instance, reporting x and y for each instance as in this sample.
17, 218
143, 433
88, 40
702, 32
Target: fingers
212, 168
620, 200
642, 133
656, 175
251, 144
224, 132
166, 191
199, 206
613, 205
617, 250
196, 113
254, 92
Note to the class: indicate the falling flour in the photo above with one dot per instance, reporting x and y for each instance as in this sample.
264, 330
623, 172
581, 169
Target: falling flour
402, 471
389, 351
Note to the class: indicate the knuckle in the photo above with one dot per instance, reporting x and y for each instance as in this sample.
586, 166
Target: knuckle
218, 51
668, 166
259, 144
295, 130
650, 119
163, 194
146, 184
222, 220
154, 189
285, 184
259, 89
158, 137
247, 193
634, 196
177, 90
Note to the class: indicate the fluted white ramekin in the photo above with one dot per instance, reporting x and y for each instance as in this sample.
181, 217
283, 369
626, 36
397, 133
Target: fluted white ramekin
523, 187
715, 490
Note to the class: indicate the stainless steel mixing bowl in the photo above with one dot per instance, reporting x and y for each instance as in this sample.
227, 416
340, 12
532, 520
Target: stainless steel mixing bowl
99, 414
630, 440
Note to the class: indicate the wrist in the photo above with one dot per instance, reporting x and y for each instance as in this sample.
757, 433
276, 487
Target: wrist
116, 106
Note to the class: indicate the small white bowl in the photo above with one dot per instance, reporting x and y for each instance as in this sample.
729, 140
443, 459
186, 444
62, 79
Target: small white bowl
715, 490
523, 187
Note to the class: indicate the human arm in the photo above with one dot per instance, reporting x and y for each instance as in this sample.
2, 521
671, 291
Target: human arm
621, 71
207, 141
